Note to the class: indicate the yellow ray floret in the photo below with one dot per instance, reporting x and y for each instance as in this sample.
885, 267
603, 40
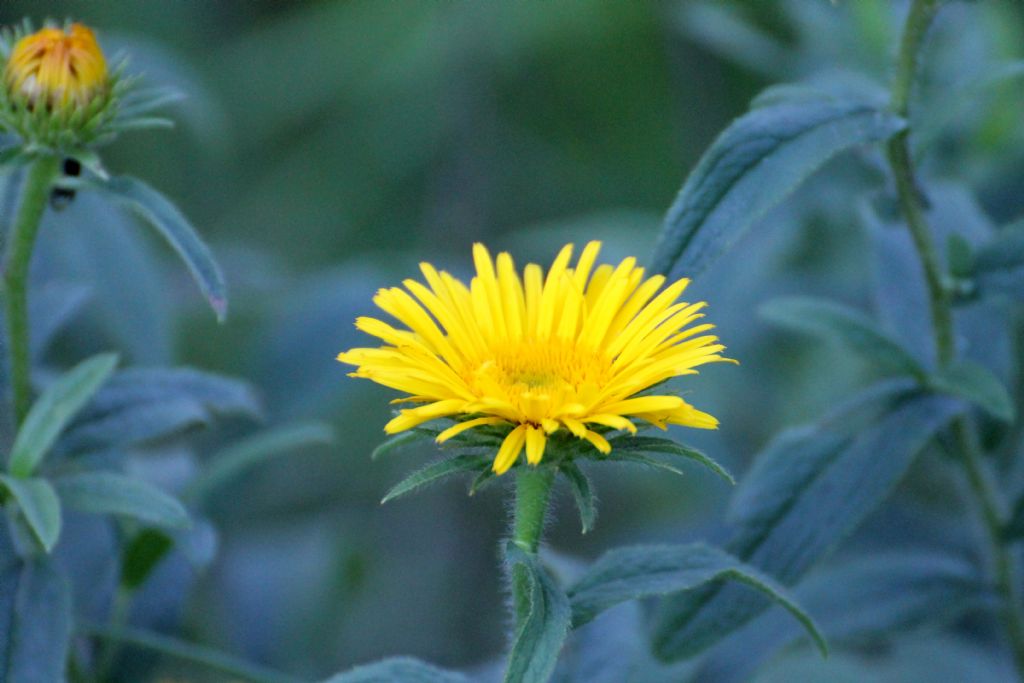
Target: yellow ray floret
57, 67
569, 350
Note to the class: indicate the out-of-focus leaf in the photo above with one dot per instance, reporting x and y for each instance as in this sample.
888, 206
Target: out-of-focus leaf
638, 572
435, 471
51, 307
142, 555
35, 622
397, 669
137, 424
399, 441
999, 265
754, 165
39, 506
110, 493
627, 443
719, 28
1014, 528
582, 493
54, 409
975, 383
240, 457
847, 326
959, 256
806, 492
545, 625
163, 215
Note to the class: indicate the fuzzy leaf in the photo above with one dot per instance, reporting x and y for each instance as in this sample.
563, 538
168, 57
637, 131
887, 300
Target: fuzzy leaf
847, 326
638, 572
395, 670
165, 217
653, 444
35, 622
54, 409
806, 492
977, 384
545, 626
752, 166
39, 505
243, 456
110, 493
582, 493
435, 471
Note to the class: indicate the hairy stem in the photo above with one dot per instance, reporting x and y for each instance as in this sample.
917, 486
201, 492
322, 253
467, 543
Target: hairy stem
533, 490
983, 489
34, 197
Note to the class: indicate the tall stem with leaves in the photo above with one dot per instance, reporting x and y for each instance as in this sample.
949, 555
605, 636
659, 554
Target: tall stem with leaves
34, 196
985, 494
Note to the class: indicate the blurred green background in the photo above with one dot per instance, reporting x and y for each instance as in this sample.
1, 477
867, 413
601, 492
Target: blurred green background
325, 148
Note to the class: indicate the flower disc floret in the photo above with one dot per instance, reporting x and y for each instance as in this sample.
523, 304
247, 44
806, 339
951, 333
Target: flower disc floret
539, 353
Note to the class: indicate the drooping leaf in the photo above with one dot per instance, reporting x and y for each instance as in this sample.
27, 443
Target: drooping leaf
141, 556
638, 572
627, 443
242, 456
806, 492
751, 167
975, 383
39, 506
54, 409
167, 219
435, 471
137, 424
35, 622
545, 624
397, 669
582, 493
110, 493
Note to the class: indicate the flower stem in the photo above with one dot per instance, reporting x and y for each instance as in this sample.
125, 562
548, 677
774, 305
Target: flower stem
985, 493
34, 196
533, 490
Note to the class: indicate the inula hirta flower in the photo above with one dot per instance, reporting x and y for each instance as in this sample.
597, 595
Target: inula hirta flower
56, 68
576, 349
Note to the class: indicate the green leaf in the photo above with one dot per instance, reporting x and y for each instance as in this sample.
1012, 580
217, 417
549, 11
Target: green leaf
396, 670
847, 326
752, 166
35, 622
165, 217
545, 625
39, 506
582, 493
653, 444
399, 441
998, 266
645, 571
141, 556
244, 455
482, 481
435, 471
110, 493
975, 383
959, 256
640, 459
805, 493
54, 409
1014, 528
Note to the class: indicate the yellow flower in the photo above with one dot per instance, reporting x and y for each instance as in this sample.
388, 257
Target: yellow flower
57, 68
571, 350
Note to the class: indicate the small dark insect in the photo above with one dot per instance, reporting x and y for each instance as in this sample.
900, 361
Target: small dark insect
61, 197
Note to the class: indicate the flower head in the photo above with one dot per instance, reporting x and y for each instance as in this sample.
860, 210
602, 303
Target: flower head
572, 351
56, 68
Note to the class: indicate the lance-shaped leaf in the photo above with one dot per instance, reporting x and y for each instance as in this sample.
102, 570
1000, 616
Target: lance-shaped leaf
39, 506
545, 623
244, 455
977, 384
582, 493
167, 219
400, 441
806, 492
397, 669
645, 571
848, 327
54, 409
754, 164
628, 444
110, 493
435, 471
35, 622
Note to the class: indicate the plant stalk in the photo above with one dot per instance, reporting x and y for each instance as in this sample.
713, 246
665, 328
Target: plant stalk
34, 196
533, 491
983, 489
